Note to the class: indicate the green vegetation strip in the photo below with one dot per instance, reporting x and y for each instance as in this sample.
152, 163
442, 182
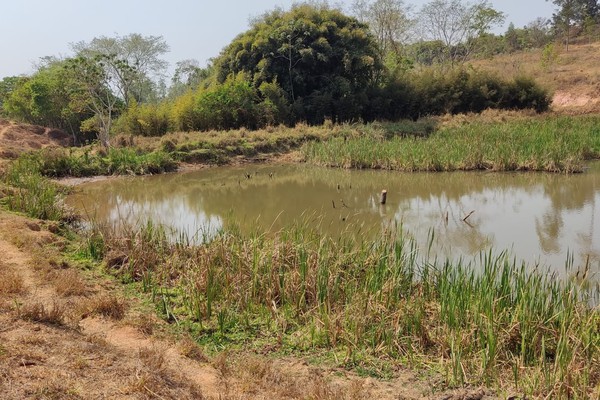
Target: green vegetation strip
555, 144
370, 305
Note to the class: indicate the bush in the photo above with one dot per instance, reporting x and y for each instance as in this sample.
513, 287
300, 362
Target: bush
523, 93
428, 92
145, 119
31, 193
231, 105
183, 115
402, 95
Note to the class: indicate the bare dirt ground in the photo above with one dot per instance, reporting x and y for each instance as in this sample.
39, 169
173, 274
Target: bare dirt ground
67, 333
17, 138
573, 75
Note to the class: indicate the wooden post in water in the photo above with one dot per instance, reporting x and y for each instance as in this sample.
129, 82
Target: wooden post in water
383, 198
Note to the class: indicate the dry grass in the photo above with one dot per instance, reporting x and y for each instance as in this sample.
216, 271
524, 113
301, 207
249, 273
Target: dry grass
221, 363
106, 305
38, 312
144, 323
11, 283
576, 71
153, 379
254, 375
68, 283
189, 348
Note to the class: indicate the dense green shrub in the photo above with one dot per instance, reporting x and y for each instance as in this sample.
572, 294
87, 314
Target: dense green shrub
231, 105
183, 115
523, 93
404, 95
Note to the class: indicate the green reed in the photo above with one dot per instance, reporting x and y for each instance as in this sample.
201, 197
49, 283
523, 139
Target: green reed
31, 193
554, 144
481, 321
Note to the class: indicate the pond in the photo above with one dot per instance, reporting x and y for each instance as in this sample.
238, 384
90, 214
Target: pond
540, 218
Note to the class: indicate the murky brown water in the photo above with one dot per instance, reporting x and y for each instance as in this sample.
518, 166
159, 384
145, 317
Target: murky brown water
538, 217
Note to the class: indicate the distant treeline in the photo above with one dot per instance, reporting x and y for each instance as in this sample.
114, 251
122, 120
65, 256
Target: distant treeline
236, 103
310, 64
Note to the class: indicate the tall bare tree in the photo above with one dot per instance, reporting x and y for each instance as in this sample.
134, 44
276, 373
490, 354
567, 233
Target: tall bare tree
456, 24
141, 53
389, 20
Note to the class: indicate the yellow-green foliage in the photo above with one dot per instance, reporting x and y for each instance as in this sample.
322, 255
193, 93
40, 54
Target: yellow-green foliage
183, 117
145, 119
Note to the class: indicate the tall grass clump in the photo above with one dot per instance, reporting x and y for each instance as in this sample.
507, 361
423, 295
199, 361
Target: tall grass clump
555, 144
115, 161
30, 192
490, 321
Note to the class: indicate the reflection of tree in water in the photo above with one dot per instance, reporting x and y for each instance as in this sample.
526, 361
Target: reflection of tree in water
282, 193
570, 193
548, 230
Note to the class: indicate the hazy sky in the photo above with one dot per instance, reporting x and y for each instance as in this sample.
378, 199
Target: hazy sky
198, 29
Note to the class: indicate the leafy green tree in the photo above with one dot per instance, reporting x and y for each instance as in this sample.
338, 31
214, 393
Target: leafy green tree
45, 99
230, 105
572, 13
7, 86
512, 38
565, 17
322, 59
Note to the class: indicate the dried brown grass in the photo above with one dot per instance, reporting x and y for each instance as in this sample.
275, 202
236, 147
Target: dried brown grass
153, 378
11, 283
68, 283
144, 323
257, 375
189, 348
574, 71
106, 305
38, 312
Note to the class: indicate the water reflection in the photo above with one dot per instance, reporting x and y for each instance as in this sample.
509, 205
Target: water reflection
540, 217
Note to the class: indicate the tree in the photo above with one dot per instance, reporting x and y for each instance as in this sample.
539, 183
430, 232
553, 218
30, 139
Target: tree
389, 20
188, 75
91, 91
538, 33
563, 19
457, 24
44, 98
322, 59
141, 53
7, 87
574, 13
512, 38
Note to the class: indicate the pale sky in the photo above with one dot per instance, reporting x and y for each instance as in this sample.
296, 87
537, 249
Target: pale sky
31, 29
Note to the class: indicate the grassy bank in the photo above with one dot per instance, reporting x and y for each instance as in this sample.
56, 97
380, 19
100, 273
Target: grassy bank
492, 141
551, 143
116, 161
369, 306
